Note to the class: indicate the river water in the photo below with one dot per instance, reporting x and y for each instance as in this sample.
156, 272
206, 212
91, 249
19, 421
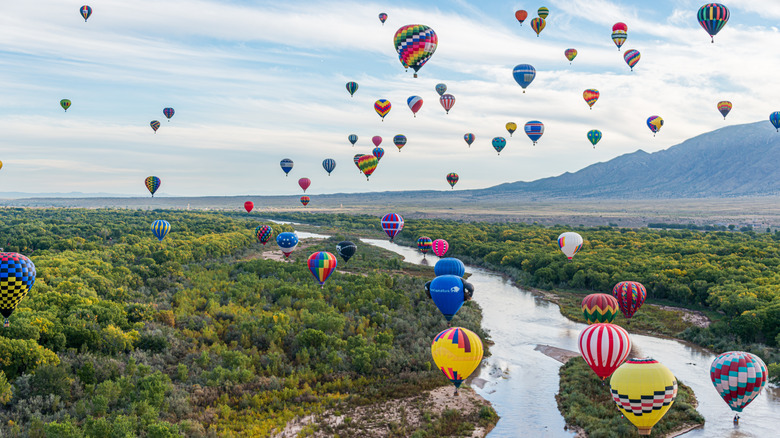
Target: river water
522, 383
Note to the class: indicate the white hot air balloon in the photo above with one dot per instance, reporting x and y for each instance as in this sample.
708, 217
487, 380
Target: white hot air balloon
570, 243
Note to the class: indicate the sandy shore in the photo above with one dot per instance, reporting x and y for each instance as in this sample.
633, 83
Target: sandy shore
559, 354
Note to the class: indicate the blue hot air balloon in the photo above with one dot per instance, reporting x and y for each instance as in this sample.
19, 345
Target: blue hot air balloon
524, 74
449, 266
160, 229
329, 164
534, 130
499, 143
287, 165
441, 89
287, 242
775, 119
448, 293
352, 139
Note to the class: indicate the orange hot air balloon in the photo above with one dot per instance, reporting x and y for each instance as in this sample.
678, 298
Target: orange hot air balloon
521, 15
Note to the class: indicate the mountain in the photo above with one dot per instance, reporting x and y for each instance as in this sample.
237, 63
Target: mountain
740, 160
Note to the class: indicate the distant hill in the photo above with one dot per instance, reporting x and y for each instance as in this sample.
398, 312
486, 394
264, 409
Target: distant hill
739, 160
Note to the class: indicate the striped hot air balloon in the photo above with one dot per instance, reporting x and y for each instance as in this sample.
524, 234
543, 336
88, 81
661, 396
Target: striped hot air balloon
415, 103
168, 113
604, 347
738, 377
724, 107
774, 118
382, 107
155, 124
469, 138
543, 12
452, 179
537, 24
630, 296
447, 101
287, 165
399, 141
353, 138
424, 244
352, 87
591, 95
534, 130
643, 390
356, 159
85, 11
599, 308
457, 352
631, 57
329, 164
378, 153
322, 264
712, 17
160, 229
305, 200
392, 223
619, 34
440, 247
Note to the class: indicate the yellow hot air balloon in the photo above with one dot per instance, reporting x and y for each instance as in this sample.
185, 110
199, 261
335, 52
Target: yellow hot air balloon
643, 390
511, 127
1, 163
457, 352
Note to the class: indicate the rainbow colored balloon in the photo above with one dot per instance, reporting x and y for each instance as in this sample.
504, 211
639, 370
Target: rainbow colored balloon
630, 296
424, 244
415, 44
631, 57
619, 34
457, 352
152, 183
382, 107
591, 95
537, 24
305, 200
155, 125
263, 233
570, 54
399, 141
322, 264
724, 107
367, 164
452, 179
712, 17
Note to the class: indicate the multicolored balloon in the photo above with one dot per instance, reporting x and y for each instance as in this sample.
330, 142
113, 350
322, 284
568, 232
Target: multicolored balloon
631, 57
521, 15
415, 103
594, 136
537, 24
604, 347
152, 183
448, 293
378, 153
524, 74
738, 377
155, 125
287, 242
322, 264
65, 104
168, 112
415, 44
570, 243
452, 179
457, 352
287, 165
630, 296
570, 54
392, 223
775, 119
724, 106
591, 95
17, 277
643, 390
346, 250
329, 164
382, 18
304, 183
655, 123
382, 107
511, 127
399, 141
160, 229
85, 11
447, 101
599, 308
367, 164
424, 244
352, 87
619, 34
263, 233
534, 130
499, 143
441, 89
469, 138
543, 12
440, 247
356, 159
305, 200
377, 140
712, 17
248, 206
353, 138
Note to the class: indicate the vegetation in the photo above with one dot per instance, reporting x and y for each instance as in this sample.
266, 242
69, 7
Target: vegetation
586, 402
197, 335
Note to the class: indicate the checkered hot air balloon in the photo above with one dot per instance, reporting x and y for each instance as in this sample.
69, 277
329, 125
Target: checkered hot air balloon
392, 223
630, 295
655, 123
452, 179
604, 347
724, 107
599, 308
305, 200
17, 276
263, 233
160, 229
155, 124
329, 164
712, 17
399, 141
152, 183
457, 352
738, 377
168, 112
415, 103
352, 88
322, 264
591, 95
469, 138
643, 390
631, 57
287, 165
499, 143
534, 130
424, 244
415, 44
447, 101
440, 247
367, 164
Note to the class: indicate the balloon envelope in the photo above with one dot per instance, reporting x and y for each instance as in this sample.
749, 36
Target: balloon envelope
774, 118
447, 292
352, 87
377, 140
469, 138
168, 112
619, 38
738, 377
724, 107
712, 17
594, 136
543, 12
160, 229
457, 352
441, 89
570, 54
287, 165
263, 233
424, 244
85, 11
591, 96
155, 124
521, 15
537, 24
643, 390
352, 139
322, 264
570, 243
534, 130
630, 296
305, 200
415, 103
452, 179
304, 183
65, 104
440, 247
399, 141
447, 101
499, 143
17, 276
524, 74
249, 205
655, 123
382, 107
346, 250
329, 164
378, 153
511, 127
367, 164
449, 266
631, 57
287, 242
604, 347
382, 17
392, 223
415, 44
599, 308
152, 183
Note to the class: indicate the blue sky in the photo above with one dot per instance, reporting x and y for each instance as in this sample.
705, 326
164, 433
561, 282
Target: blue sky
253, 82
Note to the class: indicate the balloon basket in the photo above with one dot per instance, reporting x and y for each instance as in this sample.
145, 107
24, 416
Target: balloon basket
6, 323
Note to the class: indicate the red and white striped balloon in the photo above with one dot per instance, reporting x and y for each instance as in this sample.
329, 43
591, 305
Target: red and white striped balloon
604, 347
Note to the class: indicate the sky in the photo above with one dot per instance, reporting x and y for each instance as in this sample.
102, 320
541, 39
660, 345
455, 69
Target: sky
253, 82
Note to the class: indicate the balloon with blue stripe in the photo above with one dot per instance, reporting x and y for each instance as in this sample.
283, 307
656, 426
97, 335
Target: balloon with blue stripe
160, 229
329, 164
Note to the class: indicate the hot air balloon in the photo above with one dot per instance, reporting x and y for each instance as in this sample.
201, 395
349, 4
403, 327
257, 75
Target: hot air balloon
304, 183
424, 244
305, 200
448, 293
537, 24
378, 153
392, 223
415, 45
449, 266
457, 352
352, 139
570, 243
534, 130
599, 308
399, 141
775, 119
543, 12
524, 74
155, 125
591, 96
570, 54
322, 264
377, 140
168, 112
594, 135
329, 164
287, 165
1, 164
630, 295
452, 179
643, 390
382, 107
521, 15
631, 57
655, 123
152, 183
352, 87
440, 247
17, 276
447, 101
712, 17
619, 26
415, 103
249, 205
724, 107
263, 233
604, 347
738, 377
441, 89
619, 34
499, 143
356, 159
346, 250
65, 104
287, 242
367, 164
85, 11
160, 229
469, 138
382, 18
511, 127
